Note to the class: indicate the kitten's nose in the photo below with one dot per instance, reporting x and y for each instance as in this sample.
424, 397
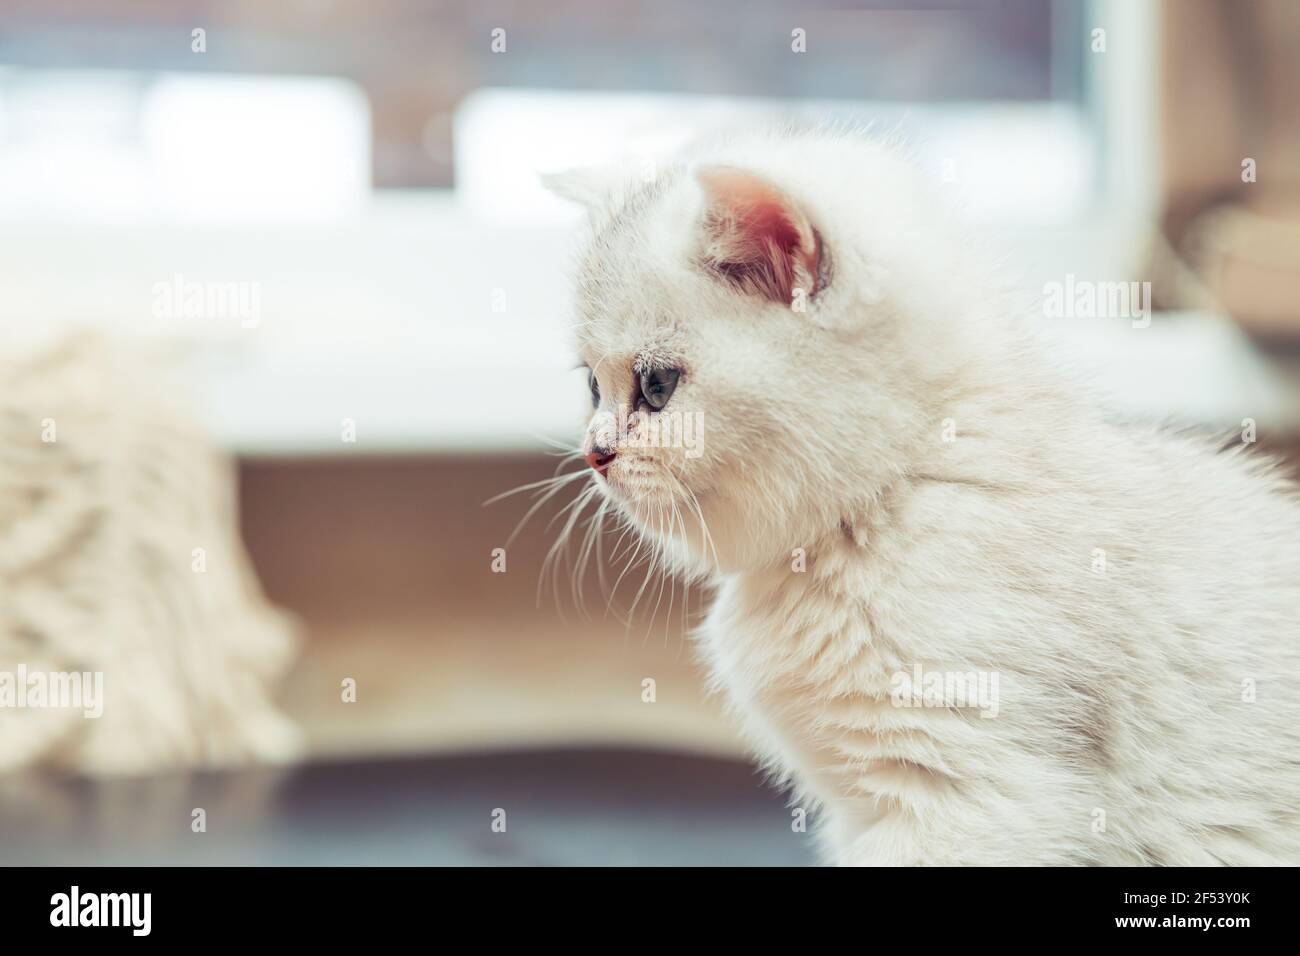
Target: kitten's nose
600, 459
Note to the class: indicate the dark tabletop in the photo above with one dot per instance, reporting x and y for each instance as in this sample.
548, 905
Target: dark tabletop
592, 807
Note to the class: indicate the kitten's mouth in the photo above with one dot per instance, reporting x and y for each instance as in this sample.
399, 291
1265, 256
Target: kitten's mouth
643, 495
616, 482
625, 483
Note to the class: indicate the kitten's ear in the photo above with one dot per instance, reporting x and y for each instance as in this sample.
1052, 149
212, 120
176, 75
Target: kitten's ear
755, 237
588, 186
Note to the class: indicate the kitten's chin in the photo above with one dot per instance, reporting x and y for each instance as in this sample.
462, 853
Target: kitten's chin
644, 503
706, 531
673, 521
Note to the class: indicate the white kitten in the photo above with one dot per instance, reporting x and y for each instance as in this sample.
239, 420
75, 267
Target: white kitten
969, 619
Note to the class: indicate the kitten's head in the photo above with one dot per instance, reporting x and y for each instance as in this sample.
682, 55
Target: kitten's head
748, 319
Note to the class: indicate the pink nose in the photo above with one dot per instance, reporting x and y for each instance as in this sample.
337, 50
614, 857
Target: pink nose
600, 460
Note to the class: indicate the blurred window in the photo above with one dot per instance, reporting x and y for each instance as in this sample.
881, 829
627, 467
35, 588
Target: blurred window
417, 62
114, 146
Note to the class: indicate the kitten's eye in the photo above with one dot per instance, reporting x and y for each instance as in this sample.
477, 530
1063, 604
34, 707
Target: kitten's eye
657, 386
595, 388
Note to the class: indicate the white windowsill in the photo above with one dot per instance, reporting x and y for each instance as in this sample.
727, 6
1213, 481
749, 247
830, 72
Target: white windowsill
388, 320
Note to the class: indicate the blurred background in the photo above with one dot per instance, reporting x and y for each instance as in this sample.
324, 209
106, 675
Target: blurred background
283, 304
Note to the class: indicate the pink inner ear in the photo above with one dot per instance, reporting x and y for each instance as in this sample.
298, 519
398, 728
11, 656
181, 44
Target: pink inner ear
754, 235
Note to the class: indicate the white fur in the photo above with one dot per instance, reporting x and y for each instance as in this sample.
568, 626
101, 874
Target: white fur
1121, 693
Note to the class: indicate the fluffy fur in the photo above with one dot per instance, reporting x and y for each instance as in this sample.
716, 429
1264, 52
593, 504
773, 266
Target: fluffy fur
1149, 699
